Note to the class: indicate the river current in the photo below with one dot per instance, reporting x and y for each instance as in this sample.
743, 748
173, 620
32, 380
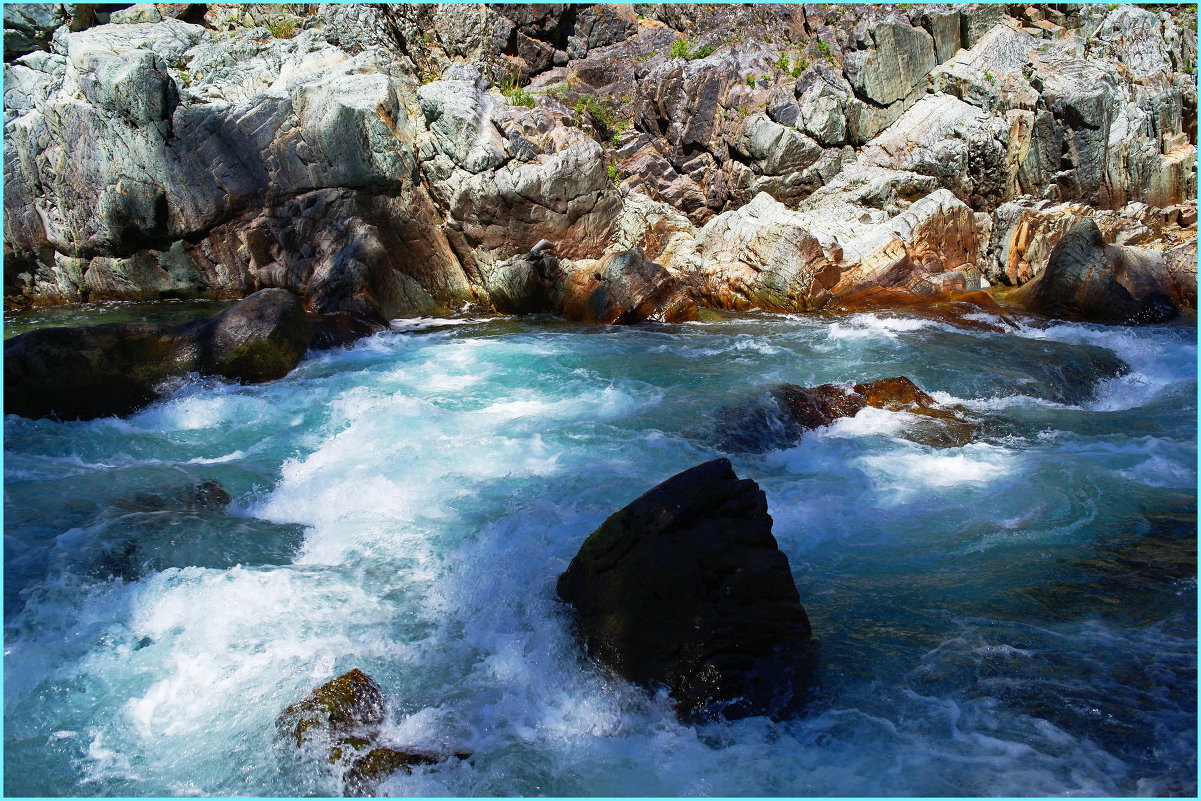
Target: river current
1013, 617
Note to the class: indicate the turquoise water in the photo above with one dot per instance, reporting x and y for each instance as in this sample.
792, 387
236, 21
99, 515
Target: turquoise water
18, 321
1012, 617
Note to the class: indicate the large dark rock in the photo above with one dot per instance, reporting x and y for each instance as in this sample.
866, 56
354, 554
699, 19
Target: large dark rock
1088, 280
116, 368
624, 288
686, 587
260, 339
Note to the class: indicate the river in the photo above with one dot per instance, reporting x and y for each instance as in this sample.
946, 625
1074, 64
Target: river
1016, 616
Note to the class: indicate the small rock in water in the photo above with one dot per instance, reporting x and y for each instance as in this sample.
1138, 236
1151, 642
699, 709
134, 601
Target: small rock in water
753, 427
686, 587
347, 713
342, 707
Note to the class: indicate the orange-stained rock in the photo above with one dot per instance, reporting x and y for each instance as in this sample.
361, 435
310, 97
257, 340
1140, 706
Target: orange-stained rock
622, 288
812, 407
1088, 280
947, 307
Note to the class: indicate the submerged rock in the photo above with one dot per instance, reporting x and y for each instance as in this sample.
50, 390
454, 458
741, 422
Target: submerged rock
791, 410
1090, 281
117, 368
686, 587
345, 714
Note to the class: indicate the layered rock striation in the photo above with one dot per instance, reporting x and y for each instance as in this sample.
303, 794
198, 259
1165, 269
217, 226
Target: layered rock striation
390, 160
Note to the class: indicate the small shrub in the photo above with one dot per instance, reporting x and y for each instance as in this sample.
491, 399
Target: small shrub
988, 76
614, 175
822, 47
282, 28
782, 63
520, 97
681, 49
510, 87
798, 69
750, 81
607, 124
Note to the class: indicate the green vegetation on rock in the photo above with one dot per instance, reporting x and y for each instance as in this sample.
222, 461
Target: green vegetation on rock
282, 28
682, 49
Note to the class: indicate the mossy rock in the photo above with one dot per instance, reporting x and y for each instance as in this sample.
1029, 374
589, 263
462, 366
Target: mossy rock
351, 703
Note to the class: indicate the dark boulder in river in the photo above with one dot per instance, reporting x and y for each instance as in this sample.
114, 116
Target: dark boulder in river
1087, 280
117, 368
686, 587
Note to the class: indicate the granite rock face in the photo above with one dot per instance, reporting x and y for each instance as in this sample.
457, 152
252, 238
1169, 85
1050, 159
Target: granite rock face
1089, 280
392, 160
686, 587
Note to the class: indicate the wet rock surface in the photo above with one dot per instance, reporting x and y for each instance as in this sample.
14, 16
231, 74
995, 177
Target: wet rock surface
344, 716
782, 417
686, 588
116, 368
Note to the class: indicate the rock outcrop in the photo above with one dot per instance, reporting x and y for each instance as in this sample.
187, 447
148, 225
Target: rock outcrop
686, 587
1088, 280
344, 716
791, 410
395, 160
116, 368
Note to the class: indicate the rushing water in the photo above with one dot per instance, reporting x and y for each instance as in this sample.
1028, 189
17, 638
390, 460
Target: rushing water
1012, 617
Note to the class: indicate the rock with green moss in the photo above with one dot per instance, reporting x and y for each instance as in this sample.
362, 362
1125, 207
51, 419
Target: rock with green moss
352, 703
346, 714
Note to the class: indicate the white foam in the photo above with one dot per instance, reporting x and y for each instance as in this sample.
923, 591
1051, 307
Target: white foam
408, 325
917, 468
871, 326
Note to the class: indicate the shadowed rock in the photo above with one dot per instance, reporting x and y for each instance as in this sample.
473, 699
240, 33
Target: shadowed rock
117, 368
686, 587
1088, 280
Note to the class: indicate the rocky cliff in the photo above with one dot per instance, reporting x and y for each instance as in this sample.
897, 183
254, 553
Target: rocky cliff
606, 162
